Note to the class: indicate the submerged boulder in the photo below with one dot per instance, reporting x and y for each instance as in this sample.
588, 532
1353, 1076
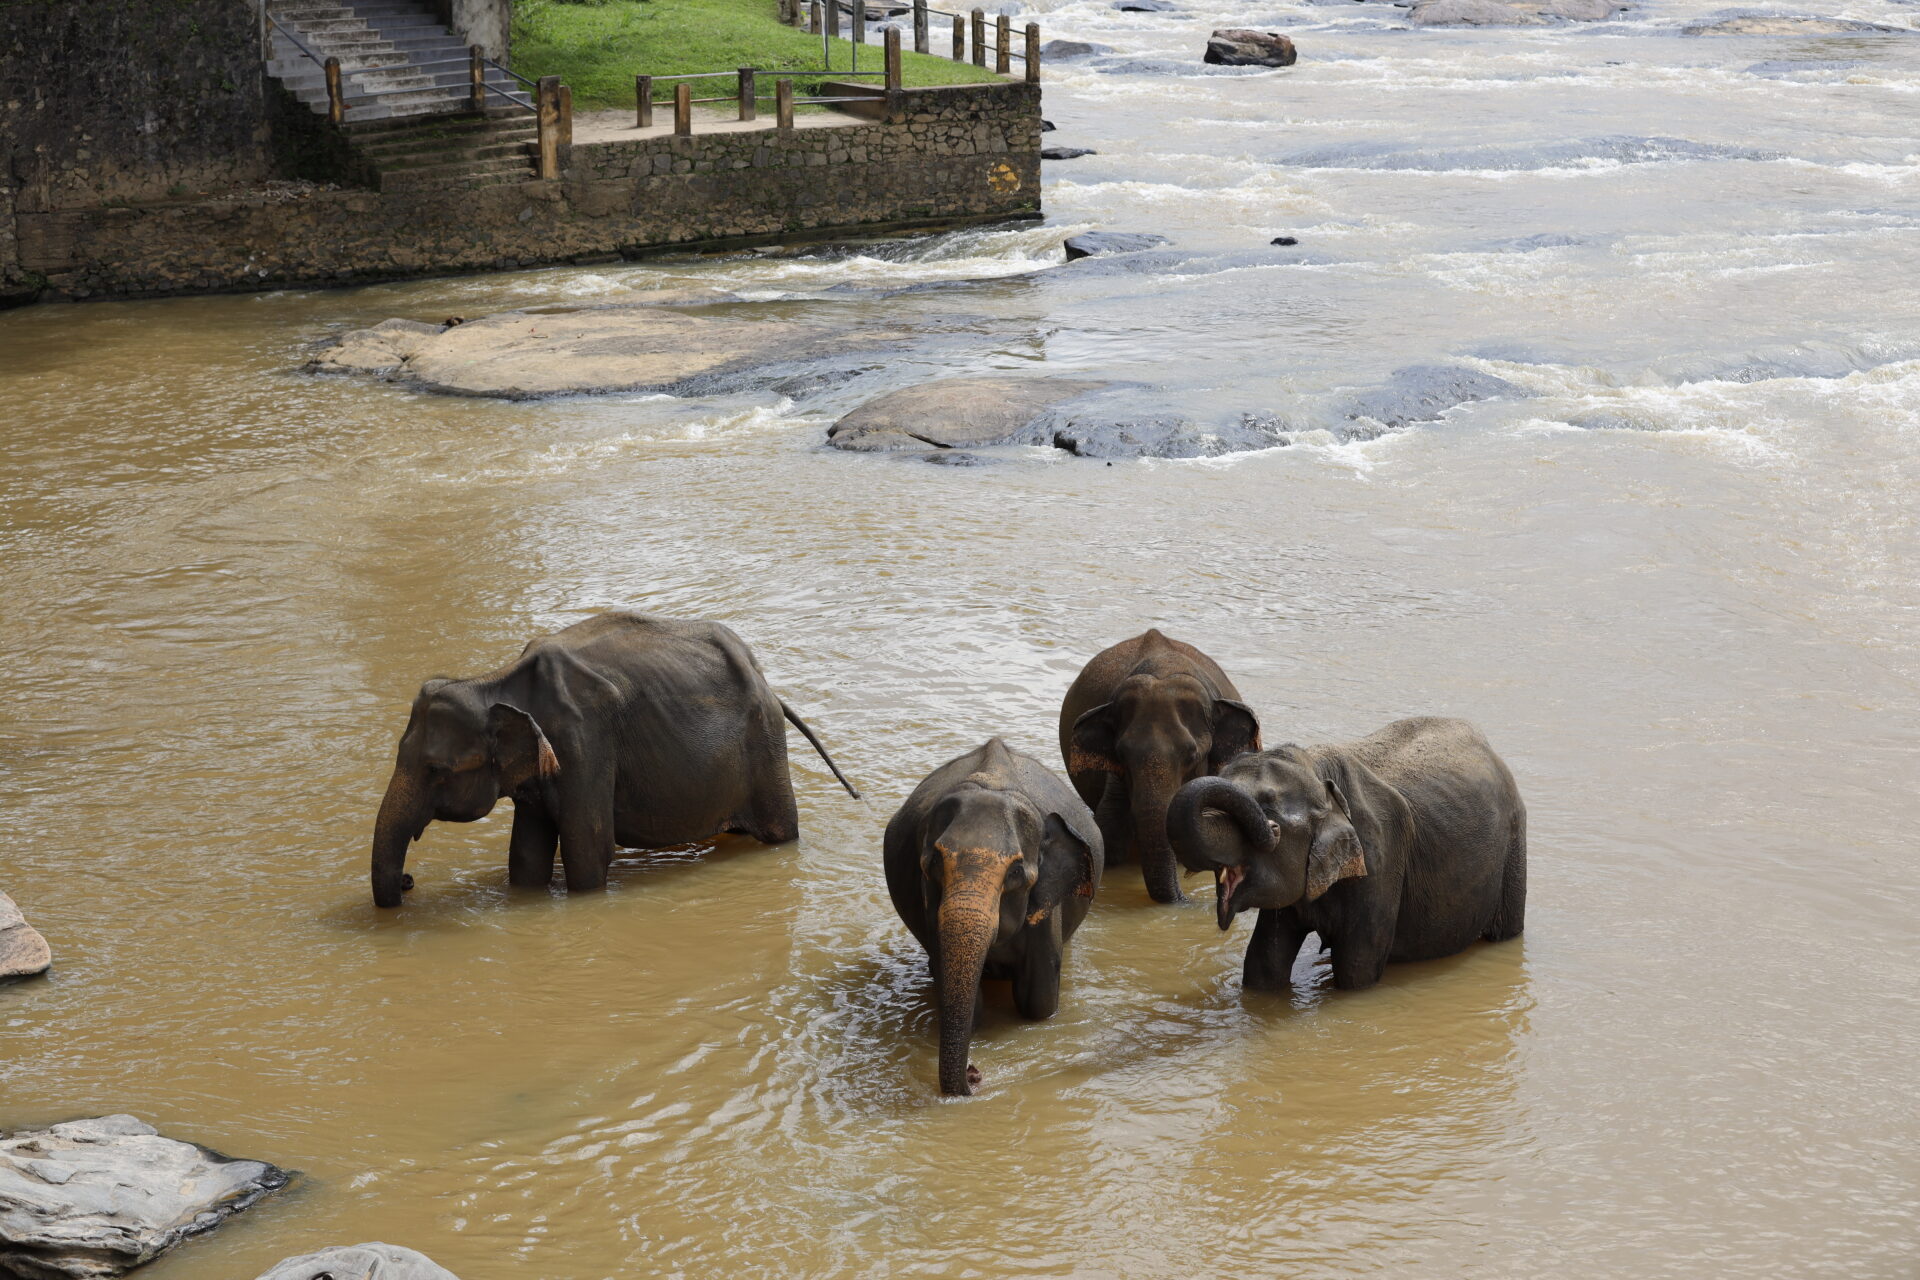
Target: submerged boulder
95, 1198
1418, 393
371, 1261
1509, 13
23, 952
1788, 24
1097, 244
1146, 6
1240, 47
1066, 153
956, 413
550, 351
1060, 50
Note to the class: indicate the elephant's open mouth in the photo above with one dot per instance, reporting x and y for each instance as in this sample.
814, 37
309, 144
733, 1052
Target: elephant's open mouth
1225, 881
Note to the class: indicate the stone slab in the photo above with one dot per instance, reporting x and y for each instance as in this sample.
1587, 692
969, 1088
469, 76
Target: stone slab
23, 952
95, 1198
370, 1261
956, 413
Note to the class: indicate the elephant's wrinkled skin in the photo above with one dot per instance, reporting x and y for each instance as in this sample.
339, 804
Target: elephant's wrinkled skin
1141, 719
1407, 845
992, 863
625, 729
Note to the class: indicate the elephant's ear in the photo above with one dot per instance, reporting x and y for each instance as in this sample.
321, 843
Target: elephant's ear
1092, 740
1336, 853
518, 748
1066, 870
1236, 731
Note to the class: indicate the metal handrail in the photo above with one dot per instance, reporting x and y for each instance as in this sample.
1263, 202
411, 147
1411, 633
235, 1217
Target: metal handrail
297, 42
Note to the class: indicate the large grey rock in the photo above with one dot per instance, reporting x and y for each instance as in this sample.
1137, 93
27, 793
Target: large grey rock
1240, 47
549, 351
95, 1198
23, 952
1060, 50
1418, 393
1095, 244
371, 1261
956, 413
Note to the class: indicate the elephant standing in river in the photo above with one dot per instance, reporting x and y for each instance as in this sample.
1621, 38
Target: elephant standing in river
1141, 719
992, 863
1407, 845
625, 729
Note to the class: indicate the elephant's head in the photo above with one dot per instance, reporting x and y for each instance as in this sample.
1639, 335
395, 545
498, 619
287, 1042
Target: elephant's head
1157, 734
1275, 830
462, 750
992, 864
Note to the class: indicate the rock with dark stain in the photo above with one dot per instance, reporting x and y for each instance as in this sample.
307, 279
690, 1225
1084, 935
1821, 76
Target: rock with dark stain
1418, 393
957, 413
1098, 244
370, 1261
1066, 153
1096, 435
1240, 47
95, 1198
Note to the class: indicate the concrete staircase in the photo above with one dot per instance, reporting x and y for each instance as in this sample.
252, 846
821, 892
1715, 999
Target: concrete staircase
415, 153
396, 59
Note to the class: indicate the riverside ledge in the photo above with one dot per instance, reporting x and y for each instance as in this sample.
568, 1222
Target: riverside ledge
941, 156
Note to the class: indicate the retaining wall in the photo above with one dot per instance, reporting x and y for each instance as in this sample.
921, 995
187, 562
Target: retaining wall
944, 155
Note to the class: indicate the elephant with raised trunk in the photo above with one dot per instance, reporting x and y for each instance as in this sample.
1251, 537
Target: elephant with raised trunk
992, 863
1408, 845
625, 729
1141, 719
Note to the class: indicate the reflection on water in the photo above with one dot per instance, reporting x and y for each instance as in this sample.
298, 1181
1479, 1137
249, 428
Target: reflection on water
1672, 578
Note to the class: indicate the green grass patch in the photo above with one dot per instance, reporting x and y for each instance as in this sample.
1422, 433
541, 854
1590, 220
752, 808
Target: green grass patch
597, 49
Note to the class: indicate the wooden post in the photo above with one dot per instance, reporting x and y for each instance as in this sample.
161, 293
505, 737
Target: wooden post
1033, 53
749, 109
783, 104
476, 78
959, 38
548, 102
816, 23
336, 100
566, 115
891, 43
859, 21
683, 109
833, 18
643, 102
920, 42
1003, 49
979, 37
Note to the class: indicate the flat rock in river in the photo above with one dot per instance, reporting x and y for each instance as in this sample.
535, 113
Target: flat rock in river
549, 351
95, 1198
1096, 244
1241, 47
371, 1261
957, 413
1509, 13
1788, 24
23, 952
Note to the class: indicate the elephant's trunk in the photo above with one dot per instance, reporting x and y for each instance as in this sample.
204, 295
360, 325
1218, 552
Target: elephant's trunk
969, 918
1152, 793
1204, 842
402, 818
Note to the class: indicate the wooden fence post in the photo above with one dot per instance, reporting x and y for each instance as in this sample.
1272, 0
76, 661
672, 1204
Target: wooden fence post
566, 115
1003, 50
959, 38
336, 100
1033, 53
891, 43
920, 42
476, 78
643, 102
547, 101
859, 21
833, 18
749, 108
979, 37
683, 109
783, 104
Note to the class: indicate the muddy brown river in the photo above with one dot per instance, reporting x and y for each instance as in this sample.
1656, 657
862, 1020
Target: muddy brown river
1673, 573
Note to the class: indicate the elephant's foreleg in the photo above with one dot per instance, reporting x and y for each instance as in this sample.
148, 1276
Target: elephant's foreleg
586, 830
1360, 953
1114, 817
1277, 936
530, 852
1036, 983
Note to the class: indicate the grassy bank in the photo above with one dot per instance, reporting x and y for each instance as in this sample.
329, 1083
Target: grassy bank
597, 49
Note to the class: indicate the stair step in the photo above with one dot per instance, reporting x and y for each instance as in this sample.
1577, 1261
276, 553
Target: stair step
445, 175
412, 162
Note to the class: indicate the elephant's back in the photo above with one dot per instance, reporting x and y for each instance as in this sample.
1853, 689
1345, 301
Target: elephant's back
690, 656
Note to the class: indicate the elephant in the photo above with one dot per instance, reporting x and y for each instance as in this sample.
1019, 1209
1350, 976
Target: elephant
1141, 719
1407, 845
624, 729
992, 863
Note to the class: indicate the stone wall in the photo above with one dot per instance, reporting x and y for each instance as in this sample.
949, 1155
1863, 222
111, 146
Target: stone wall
124, 100
954, 154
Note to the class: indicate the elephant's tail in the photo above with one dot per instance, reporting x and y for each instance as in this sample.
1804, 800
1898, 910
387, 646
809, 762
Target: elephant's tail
794, 717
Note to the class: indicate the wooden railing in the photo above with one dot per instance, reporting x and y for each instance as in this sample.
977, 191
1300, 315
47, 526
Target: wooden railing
823, 19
